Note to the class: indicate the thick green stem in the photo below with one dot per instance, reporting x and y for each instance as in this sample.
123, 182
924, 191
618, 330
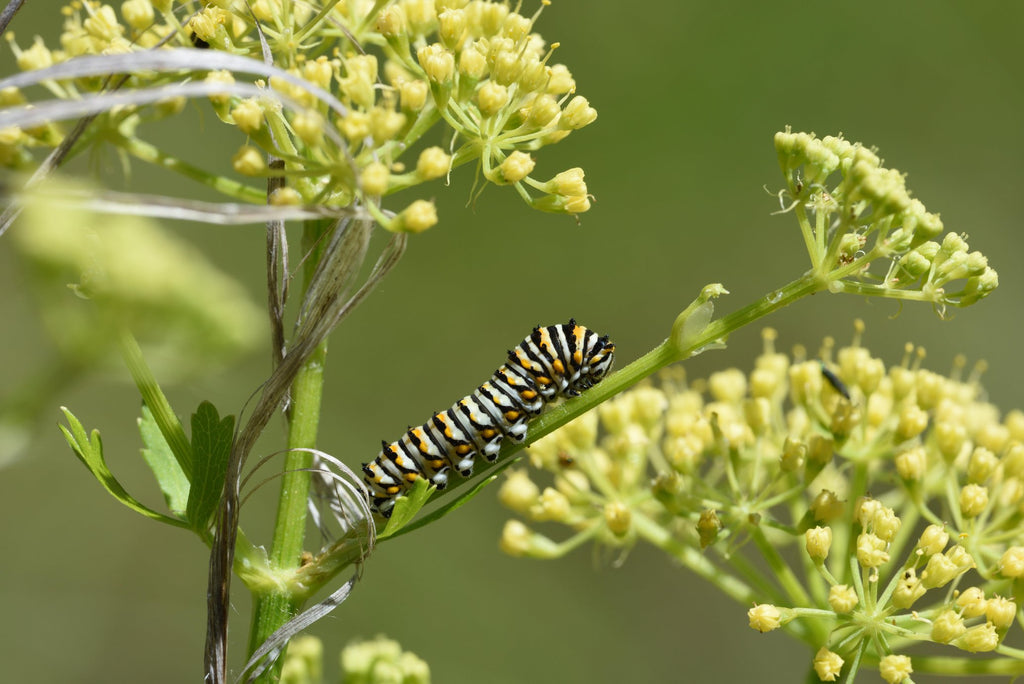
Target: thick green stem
273, 608
278, 606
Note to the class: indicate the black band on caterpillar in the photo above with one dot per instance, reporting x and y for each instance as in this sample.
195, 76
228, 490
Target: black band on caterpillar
559, 360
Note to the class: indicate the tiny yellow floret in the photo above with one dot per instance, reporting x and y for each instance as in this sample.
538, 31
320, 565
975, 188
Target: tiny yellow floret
309, 127
560, 80
438, 63
248, 116
577, 114
871, 551
285, 196
973, 500
934, 539
249, 161
908, 590
764, 617
912, 463
1001, 612
947, 626
912, 422
138, 13
374, 178
516, 167
433, 163
818, 541
895, 668
827, 665
842, 598
972, 602
1012, 562
413, 94
518, 492
552, 505
515, 538
618, 518
979, 639
417, 217
491, 98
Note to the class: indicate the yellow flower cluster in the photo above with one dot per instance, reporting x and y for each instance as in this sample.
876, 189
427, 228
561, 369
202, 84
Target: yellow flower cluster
396, 69
869, 215
903, 489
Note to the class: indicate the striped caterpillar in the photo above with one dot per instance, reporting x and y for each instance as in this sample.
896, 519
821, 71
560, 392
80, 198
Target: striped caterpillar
555, 361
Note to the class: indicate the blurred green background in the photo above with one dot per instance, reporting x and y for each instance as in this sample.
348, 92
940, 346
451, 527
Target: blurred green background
683, 169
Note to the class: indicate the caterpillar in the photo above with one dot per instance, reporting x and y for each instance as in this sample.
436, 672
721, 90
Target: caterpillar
554, 361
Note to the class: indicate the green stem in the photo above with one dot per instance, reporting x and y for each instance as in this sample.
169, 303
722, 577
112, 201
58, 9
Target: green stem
152, 154
964, 666
274, 607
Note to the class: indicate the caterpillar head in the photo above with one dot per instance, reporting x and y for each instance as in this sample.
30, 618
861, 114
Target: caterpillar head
598, 358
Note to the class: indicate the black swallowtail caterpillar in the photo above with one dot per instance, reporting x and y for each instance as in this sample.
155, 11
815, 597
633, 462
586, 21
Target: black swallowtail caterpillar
559, 360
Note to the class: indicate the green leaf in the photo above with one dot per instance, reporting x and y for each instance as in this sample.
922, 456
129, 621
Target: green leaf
89, 449
160, 459
407, 506
211, 447
434, 516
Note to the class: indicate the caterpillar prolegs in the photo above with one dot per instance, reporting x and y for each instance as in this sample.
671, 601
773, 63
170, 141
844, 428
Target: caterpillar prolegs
555, 361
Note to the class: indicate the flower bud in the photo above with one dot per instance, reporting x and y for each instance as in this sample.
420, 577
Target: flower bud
871, 551
137, 13
947, 626
708, 526
826, 506
220, 77
818, 541
560, 80
249, 161
473, 64
552, 505
912, 464
374, 178
912, 422
451, 27
1012, 562
433, 163
518, 492
895, 668
437, 62
515, 538
413, 94
908, 589
842, 598
248, 116
1001, 612
973, 500
972, 602
827, 665
979, 639
491, 98
285, 197
618, 518
933, 540
416, 218
542, 110
309, 127
764, 617
577, 114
